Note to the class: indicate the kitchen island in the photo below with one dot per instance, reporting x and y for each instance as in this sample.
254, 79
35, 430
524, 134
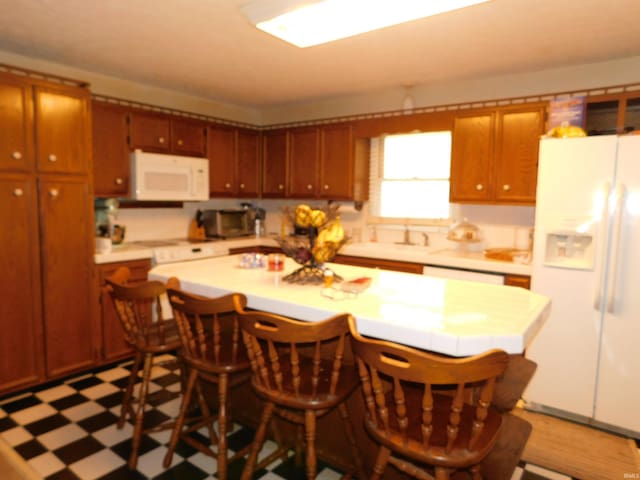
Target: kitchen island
452, 317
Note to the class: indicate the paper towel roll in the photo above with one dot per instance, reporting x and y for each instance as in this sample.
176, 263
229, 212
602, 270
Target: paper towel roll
522, 239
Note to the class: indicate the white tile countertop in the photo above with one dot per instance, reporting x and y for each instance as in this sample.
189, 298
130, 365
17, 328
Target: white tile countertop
453, 317
454, 258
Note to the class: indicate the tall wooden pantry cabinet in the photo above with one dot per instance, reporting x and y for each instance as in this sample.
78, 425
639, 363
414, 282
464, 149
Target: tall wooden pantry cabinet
46, 265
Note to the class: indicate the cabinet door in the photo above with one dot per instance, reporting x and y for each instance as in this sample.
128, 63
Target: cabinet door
66, 225
222, 161
516, 159
20, 320
61, 130
274, 163
111, 166
188, 138
472, 158
336, 163
303, 162
16, 125
149, 131
248, 163
114, 345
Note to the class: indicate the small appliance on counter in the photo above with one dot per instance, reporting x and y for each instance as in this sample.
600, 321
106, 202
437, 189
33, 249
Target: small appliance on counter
107, 232
224, 223
464, 232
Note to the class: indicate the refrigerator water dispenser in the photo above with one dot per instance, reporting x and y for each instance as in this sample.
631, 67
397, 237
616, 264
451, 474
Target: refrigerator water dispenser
569, 249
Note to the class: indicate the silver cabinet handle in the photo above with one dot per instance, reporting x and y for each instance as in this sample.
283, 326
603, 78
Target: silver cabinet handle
309, 187
479, 187
18, 192
16, 155
160, 139
506, 187
53, 158
326, 187
54, 192
119, 181
280, 186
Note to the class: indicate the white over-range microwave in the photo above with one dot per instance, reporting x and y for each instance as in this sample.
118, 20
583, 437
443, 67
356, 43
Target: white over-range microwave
162, 177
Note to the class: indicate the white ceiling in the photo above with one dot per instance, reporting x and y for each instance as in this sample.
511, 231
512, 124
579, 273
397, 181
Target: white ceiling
207, 48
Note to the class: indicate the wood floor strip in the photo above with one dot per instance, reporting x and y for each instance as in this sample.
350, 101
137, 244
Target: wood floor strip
577, 450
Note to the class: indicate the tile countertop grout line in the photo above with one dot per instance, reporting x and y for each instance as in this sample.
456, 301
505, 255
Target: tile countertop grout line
436, 257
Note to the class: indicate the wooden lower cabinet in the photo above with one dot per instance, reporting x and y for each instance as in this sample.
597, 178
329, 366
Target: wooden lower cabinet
21, 347
384, 264
523, 281
113, 346
66, 229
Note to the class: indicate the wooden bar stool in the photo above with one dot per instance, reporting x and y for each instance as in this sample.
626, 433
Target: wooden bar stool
213, 351
297, 369
428, 413
148, 330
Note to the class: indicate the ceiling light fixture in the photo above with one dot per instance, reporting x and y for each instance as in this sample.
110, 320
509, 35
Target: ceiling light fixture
307, 23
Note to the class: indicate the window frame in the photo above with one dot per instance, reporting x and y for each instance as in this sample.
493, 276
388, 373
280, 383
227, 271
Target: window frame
376, 177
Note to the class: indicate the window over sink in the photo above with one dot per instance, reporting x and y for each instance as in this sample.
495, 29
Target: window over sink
409, 178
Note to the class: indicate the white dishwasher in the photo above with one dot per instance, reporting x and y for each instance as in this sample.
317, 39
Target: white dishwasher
457, 274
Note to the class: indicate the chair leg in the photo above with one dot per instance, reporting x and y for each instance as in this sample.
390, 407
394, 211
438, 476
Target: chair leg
128, 393
381, 463
205, 414
223, 386
177, 428
351, 437
258, 440
299, 444
137, 428
443, 473
310, 436
475, 472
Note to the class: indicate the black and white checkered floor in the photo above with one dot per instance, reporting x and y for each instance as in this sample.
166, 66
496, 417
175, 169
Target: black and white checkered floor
68, 431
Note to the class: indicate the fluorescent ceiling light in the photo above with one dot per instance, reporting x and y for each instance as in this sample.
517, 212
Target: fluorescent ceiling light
307, 23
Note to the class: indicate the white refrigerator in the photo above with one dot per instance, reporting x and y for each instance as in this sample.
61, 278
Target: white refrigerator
586, 258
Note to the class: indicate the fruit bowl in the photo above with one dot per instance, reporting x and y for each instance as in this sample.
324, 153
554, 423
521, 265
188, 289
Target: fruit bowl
321, 244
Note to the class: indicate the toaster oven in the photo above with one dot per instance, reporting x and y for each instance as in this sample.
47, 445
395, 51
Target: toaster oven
225, 223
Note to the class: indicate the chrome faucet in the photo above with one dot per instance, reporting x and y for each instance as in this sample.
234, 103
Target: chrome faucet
425, 238
407, 237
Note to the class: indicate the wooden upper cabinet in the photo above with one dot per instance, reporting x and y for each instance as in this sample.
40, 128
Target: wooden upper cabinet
16, 124
66, 233
248, 163
21, 347
274, 163
111, 165
518, 138
222, 161
336, 163
494, 156
471, 158
188, 137
234, 162
304, 154
61, 117
149, 131
162, 133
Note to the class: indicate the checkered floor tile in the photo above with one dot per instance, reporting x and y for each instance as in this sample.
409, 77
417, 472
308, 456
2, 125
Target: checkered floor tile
67, 431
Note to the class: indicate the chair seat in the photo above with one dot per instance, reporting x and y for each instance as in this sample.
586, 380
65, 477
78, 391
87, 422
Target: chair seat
154, 338
305, 398
414, 448
223, 362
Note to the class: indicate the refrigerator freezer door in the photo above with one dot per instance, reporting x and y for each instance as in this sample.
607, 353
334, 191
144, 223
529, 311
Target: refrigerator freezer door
572, 183
618, 388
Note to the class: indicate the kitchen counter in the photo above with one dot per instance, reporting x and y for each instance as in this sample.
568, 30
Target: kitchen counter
447, 316
454, 258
